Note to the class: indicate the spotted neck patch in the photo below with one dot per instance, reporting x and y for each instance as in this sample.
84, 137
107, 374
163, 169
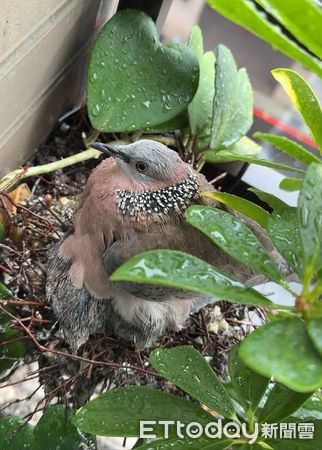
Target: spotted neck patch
161, 201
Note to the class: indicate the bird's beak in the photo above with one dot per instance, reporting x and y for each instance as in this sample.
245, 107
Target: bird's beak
116, 151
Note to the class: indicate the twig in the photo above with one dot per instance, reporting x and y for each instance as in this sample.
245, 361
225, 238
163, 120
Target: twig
73, 356
28, 210
218, 178
18, 382
59, 220
19, 400
24, 302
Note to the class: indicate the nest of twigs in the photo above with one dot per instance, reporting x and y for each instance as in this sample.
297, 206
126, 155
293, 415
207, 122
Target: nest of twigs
104, 361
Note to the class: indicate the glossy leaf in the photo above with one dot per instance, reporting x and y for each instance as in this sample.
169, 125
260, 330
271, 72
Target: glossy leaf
310, 218
272, 201
227, 156
251, 447
2, 232
303, 99
5, 293
179, 122
311, 410
223, 444
135, 82
314, 328
291, 148
187, 369
184, 271
14, 347
118, 412
300, 443
15, 434
241, 205
284, 233
201, 107
55, 430
249, 386
246, 14
283, 350
233, 101
281, 403
234, 237
243, 147
302, 18
291, 184
186, 444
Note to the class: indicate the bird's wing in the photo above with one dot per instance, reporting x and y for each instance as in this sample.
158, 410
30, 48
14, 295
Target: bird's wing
93, 233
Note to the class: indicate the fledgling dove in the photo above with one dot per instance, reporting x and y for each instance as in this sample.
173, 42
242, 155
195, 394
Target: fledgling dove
133, 202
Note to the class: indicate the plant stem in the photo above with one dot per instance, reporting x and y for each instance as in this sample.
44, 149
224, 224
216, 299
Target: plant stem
9, 180
19, 174
88, 140
200, 165
166, 140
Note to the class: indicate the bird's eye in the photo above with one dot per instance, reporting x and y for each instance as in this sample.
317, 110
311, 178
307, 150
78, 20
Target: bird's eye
141, 166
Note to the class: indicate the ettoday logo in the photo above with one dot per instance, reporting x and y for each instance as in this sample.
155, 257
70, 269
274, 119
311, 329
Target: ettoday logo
227, 430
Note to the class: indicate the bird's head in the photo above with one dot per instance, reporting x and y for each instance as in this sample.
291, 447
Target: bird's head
147, 162
144, 178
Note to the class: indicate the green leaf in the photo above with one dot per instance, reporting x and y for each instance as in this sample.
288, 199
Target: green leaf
187, 369
292, 444
252, 446
246, 14
233, 101
314, 328
15, 434
249, 386
227, 156
283, 231
135, 82
300, 443
310, 218
302, 18
311, 410
291, 184
303, 99
14, 349
5, 293
201, 107
118, 412
195, 41
244, 147
56, 423
283, 350
289, 147
234, 237
184, 271
180, 122
186, 444
281, 403
2, 232
241, 205
221, 444
272, 201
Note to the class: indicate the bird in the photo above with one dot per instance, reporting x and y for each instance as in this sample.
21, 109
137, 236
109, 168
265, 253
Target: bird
133, 201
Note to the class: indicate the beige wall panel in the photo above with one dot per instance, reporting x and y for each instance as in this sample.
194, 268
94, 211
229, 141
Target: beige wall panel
42, 67
19, 18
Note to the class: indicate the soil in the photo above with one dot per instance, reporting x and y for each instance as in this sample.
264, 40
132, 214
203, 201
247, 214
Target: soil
103, 362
